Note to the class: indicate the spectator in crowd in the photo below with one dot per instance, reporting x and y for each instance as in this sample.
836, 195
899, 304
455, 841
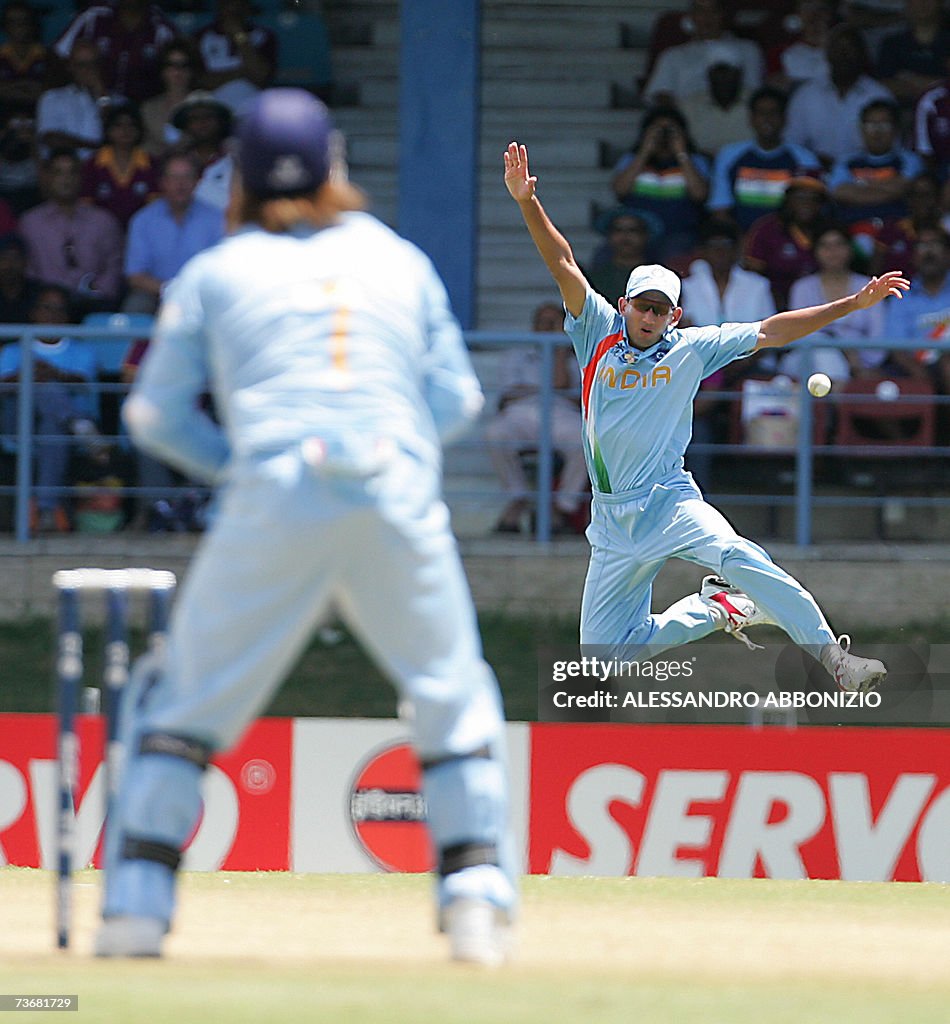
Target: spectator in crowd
60, 408
129, 37
628, 237
836, 279
680, 71
180, 70
932, 129
26, 65
924, 315
239, 56
781, 245
168, 232
802, 58
17, 292
19, 170
749, 178
120, 176
72, 243
869, 186
205, 123
717, 115
895, 242
913, 59
664, 176
824, 114
517, 424
70, 117
717, 291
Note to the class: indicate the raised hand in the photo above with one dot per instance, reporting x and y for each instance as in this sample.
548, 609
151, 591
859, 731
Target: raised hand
517, 179
893, 283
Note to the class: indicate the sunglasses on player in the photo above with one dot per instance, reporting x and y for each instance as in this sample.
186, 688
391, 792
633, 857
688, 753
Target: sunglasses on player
647, 306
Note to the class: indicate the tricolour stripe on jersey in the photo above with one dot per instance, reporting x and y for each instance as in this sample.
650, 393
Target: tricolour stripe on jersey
601, 479
590, 369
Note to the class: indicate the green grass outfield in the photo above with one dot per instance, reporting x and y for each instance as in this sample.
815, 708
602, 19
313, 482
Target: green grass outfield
360, 948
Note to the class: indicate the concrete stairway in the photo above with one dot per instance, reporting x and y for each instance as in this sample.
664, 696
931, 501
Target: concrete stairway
550, 72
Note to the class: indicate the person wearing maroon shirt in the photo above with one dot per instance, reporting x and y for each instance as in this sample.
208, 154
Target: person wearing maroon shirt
239, 56
932, 129
121, 176
26, 65
897, 239
780, 245
129, 37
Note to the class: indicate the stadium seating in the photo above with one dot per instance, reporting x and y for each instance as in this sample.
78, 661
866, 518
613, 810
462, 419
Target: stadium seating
875, 405
303, 47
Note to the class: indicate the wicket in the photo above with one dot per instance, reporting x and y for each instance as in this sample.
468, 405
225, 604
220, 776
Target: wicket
116, 584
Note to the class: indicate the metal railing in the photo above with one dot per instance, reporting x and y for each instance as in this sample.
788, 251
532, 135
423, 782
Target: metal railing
802, 498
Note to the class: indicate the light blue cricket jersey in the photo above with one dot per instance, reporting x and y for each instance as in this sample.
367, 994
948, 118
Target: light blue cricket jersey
342, 337
638, 406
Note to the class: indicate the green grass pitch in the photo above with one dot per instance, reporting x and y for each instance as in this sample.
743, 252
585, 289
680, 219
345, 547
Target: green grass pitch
362, 948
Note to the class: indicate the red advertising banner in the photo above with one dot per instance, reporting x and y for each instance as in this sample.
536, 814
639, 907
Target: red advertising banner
245, 823
691, 801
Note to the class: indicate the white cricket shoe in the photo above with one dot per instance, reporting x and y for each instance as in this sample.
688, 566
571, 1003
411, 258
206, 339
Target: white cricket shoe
851, 673
130, 936
479, 932
733, 610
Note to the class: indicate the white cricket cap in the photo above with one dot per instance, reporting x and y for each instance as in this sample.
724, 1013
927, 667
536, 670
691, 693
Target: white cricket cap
651, 277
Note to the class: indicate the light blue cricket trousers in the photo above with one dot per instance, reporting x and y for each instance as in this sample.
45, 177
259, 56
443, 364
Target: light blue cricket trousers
632, 534
287, 544
289, 540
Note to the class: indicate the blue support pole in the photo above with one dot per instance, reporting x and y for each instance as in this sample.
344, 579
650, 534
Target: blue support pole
439, 140
24, 461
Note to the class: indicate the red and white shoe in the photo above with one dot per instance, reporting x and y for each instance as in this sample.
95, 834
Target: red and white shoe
851, 673
733, 610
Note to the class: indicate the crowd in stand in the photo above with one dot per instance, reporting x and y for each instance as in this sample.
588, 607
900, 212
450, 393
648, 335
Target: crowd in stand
785, 152
114, 170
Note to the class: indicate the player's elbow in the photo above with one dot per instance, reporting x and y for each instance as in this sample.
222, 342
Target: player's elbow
773, 334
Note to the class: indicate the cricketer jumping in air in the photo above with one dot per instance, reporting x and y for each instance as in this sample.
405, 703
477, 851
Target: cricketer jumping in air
337, 370
640, 374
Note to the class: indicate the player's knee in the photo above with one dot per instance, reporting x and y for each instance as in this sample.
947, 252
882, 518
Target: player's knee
451, 714
740, 552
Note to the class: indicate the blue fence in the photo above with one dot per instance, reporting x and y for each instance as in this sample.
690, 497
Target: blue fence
109, 341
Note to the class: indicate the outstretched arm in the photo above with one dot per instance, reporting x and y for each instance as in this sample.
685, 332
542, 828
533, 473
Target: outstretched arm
784, 328
554, 248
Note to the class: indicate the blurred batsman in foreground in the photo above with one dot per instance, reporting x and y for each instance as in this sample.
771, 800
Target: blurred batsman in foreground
337, 369
640, 374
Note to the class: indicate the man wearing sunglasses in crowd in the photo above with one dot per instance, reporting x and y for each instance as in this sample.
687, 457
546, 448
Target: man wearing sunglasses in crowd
640, 374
